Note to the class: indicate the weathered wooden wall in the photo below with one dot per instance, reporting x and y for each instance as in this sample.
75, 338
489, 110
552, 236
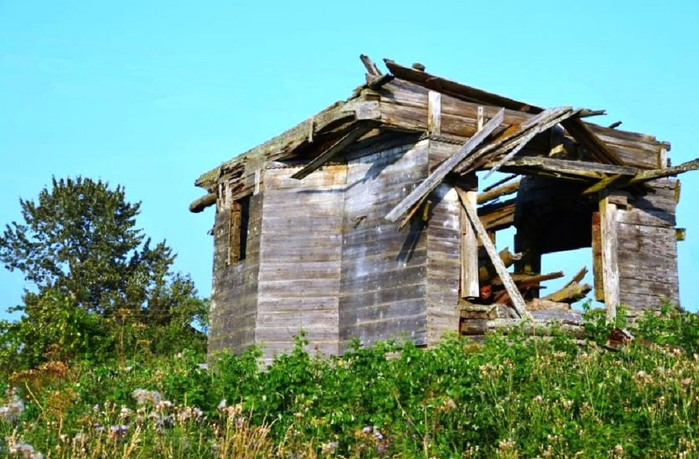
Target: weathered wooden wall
300, 254
647, 248
443, 252
383, 281
234, 292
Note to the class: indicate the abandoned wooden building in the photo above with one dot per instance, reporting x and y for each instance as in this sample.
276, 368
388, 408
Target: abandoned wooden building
366, 221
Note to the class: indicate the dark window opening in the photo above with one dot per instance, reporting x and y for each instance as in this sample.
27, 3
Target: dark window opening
240, 218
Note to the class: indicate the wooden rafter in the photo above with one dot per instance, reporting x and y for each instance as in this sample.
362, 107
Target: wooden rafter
436, 177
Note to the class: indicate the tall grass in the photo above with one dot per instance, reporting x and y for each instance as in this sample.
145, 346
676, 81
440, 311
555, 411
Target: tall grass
514, 396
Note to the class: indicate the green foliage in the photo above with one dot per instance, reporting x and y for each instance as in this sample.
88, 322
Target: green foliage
99, 287
513, 396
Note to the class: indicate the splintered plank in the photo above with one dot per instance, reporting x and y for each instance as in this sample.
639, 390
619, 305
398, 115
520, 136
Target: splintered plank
336, 148
515, 296
540, 123
436, 177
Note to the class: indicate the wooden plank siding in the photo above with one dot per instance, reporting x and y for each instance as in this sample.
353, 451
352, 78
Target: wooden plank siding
300, 253
443, 252
234, 292
647, 247
383, 281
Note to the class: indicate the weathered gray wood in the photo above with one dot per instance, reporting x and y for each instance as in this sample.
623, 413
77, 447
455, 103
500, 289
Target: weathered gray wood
371, 69
202, 203
497, 192
436, 177
538, 124
434, 112
644, 176
470, 287
610, 268
516, 297
582, 168
337, 148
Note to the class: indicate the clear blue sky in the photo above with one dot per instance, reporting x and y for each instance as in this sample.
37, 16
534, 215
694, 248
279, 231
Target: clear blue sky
151, 94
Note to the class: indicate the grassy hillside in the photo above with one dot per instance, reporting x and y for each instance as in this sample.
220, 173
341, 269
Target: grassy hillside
514, 396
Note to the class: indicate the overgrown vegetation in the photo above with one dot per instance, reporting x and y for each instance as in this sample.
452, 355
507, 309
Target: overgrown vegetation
513, 396
96, 285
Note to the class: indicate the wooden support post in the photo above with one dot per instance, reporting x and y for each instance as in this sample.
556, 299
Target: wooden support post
510, 287
609, 247
469, 285
434, 112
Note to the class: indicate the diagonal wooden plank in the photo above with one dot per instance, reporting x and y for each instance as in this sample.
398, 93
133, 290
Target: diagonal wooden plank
509, 139
436, 177
547, 120
512, 290
347, 140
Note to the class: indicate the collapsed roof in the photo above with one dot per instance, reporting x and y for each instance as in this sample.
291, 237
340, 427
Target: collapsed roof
521, 138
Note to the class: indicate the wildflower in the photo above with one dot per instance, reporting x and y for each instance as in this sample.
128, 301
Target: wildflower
25, 450
507, 444
687, 382
144, 396
12, 410
538, 399
221, 405
163, 405
328, 448
125, 412
118, 430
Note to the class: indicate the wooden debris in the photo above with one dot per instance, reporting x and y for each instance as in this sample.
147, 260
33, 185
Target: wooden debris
536, 125
498, 192
372, 70
487, 272
570, 293
540, 304
503, 181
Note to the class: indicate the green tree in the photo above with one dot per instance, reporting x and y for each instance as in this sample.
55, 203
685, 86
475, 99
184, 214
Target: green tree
79, 240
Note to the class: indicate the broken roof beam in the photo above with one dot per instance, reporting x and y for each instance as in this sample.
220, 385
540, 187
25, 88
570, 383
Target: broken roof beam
513, 138
458, 90
545, 120
517, 301
348, 139
620, 181
498, 192
647, 175
436, 177
589, 140
584, 169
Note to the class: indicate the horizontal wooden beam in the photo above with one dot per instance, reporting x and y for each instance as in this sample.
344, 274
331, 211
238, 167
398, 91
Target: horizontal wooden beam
202, 203
567, 166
